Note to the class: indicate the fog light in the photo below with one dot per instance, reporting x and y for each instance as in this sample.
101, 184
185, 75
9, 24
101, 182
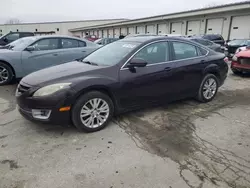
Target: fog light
41, 114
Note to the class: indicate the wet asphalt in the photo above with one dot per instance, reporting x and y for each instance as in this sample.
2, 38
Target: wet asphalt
178, 145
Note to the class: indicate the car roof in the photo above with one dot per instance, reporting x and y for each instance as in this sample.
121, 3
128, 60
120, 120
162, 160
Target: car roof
56, 36
146, 39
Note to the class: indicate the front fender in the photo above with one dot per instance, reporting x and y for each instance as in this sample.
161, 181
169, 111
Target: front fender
14, 60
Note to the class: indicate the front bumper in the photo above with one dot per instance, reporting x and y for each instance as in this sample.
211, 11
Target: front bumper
240, 67
26, 102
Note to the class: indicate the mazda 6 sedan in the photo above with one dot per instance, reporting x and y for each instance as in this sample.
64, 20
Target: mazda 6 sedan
128, 74
30, 54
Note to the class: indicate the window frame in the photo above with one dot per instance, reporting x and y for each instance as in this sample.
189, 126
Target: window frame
59, 46
196, 47
145, 46
124, 66
78, 43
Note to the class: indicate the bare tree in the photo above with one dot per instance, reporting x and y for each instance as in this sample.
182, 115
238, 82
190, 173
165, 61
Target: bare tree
212, 4
12, 21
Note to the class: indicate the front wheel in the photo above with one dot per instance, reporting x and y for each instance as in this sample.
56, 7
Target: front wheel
6, 74
208, 88
92, 111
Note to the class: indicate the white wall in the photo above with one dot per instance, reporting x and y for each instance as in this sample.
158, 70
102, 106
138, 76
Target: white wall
45, 27
202, 20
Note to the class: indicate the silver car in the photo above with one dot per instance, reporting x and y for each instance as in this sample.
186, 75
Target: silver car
30, 54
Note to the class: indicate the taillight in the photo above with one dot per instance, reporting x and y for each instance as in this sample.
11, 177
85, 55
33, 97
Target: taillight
235, 58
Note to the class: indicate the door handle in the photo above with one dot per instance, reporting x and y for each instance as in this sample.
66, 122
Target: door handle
168, 69
55, 54
83, 51
203, 61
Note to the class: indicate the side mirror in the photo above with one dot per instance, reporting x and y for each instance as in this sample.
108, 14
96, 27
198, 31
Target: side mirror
5, 39
30, 48
137, 62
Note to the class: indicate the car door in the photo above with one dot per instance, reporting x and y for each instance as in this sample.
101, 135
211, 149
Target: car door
44, 54
151, 83
190, 61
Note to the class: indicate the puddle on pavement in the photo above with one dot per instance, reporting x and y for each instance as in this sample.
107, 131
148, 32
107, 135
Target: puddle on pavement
169, 131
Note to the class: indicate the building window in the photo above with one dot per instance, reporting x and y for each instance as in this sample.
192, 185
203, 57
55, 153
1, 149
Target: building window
17, 30
1, 30
36, 29
57, 29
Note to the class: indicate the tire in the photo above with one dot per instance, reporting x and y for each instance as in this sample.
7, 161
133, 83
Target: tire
201, 93
7, 72
84, 101
236, 72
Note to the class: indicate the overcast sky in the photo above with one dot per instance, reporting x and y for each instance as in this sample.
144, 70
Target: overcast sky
60, 10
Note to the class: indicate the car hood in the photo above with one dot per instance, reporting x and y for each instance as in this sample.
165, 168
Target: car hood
54, 73
244, 53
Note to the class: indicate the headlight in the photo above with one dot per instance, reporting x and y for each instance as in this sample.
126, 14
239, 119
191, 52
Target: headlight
235, 58
50, 89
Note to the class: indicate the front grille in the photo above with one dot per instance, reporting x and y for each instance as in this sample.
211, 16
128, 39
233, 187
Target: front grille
244, 61
21, 88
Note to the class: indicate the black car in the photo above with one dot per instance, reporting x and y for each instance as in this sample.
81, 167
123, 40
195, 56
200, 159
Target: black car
216, 38
12, 36
208, 43
233, 45
128, 74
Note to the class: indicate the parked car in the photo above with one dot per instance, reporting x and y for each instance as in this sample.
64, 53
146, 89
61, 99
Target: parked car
233, 45
105, 41
124, 75
91, 38
216, 38
30, 54
241, 62
140, 35
12, 36
208, 43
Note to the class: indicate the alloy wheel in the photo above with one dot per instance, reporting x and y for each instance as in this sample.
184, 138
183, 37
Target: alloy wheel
94, 113
209, 88
4, 74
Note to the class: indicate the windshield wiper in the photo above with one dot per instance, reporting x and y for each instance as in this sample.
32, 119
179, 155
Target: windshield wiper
90, 63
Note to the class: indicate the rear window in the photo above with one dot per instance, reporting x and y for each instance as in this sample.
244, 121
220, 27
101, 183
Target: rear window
213, 37
237, 42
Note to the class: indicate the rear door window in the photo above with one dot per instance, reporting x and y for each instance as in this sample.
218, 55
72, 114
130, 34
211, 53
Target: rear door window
69, 43
183, 50
12, 36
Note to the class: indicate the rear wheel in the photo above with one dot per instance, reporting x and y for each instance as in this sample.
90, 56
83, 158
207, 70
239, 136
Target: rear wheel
208, 88
92, 111
6, 74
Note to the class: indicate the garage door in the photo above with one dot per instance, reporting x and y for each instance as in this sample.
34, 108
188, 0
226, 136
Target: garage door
117, 32
162, 29
240, 28
193, 27
105, 33
124, 31
214, 26
151, 29
131, 30
176, 28
140, 29
111, 33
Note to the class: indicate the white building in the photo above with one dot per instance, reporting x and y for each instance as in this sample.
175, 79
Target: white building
231, 21
61, 28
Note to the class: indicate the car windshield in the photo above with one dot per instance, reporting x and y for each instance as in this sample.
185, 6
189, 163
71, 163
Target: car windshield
112, 53
237, 42
21, 43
